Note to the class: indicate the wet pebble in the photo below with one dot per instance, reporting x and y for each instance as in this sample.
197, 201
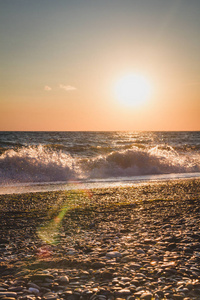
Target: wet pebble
113, 254
50, 296
34, 291
146, 296
8, 294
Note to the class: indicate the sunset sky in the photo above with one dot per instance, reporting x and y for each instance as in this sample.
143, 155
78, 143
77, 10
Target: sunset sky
62, 63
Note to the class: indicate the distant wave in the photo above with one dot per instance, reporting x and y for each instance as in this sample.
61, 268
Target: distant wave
41, 164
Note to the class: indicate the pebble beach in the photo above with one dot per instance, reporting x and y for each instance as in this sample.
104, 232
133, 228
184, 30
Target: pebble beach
138, 242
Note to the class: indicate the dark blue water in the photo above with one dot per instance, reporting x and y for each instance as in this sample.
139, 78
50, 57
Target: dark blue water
44, 157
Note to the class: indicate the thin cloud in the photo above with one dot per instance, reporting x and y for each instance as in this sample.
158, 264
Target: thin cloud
67, 88
47, 88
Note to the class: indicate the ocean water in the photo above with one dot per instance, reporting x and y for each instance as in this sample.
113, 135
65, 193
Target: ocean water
58, 159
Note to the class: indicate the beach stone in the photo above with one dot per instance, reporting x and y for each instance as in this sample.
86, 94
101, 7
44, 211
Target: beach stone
5, 285
87, 293
139, 293
135, 282
132, 287
50, 296
146, 296
98, 265
123, 292
140, 251
15, 288
131, 298
125, 279
34, 291
66, 294
106, 274
189, 286
197, 291
113, 254
44, 290
135, 266
8, 294
73, 296
63, 279
42, 277
7, 298
177, 297
72, 252
33, 285
160, 293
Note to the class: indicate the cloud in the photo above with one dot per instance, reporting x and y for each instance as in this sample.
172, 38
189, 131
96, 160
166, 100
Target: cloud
67, 88
47, 88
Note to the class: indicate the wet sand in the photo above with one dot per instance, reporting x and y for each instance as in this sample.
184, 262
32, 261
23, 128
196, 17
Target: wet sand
139, 242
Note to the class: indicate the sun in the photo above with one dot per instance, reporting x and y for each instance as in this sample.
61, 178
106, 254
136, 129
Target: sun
132, 89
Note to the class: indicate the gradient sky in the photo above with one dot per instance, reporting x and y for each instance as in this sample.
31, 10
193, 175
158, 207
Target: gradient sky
60, 59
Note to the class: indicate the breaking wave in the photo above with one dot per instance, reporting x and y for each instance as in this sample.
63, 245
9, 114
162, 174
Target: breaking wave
136, 161
40, 164
35, 164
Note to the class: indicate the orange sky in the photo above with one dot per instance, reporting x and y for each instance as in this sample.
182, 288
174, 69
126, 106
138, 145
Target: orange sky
60, 61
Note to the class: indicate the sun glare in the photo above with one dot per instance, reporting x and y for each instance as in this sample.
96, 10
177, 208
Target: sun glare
132, 90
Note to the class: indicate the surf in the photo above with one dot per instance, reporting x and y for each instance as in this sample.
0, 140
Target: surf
35, 164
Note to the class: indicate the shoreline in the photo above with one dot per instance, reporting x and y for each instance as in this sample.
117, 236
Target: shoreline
23, 188
140, 241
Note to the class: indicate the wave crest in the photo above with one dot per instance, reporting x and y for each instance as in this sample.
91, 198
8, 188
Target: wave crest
135, 162
35, 164
41, 164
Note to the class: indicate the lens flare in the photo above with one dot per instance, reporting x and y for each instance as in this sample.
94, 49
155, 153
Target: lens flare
49, 233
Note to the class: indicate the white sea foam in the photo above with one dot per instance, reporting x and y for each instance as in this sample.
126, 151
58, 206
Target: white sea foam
35, 164
39, 164
135, 162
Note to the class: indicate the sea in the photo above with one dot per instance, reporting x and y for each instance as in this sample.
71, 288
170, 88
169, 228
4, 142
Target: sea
49, 161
